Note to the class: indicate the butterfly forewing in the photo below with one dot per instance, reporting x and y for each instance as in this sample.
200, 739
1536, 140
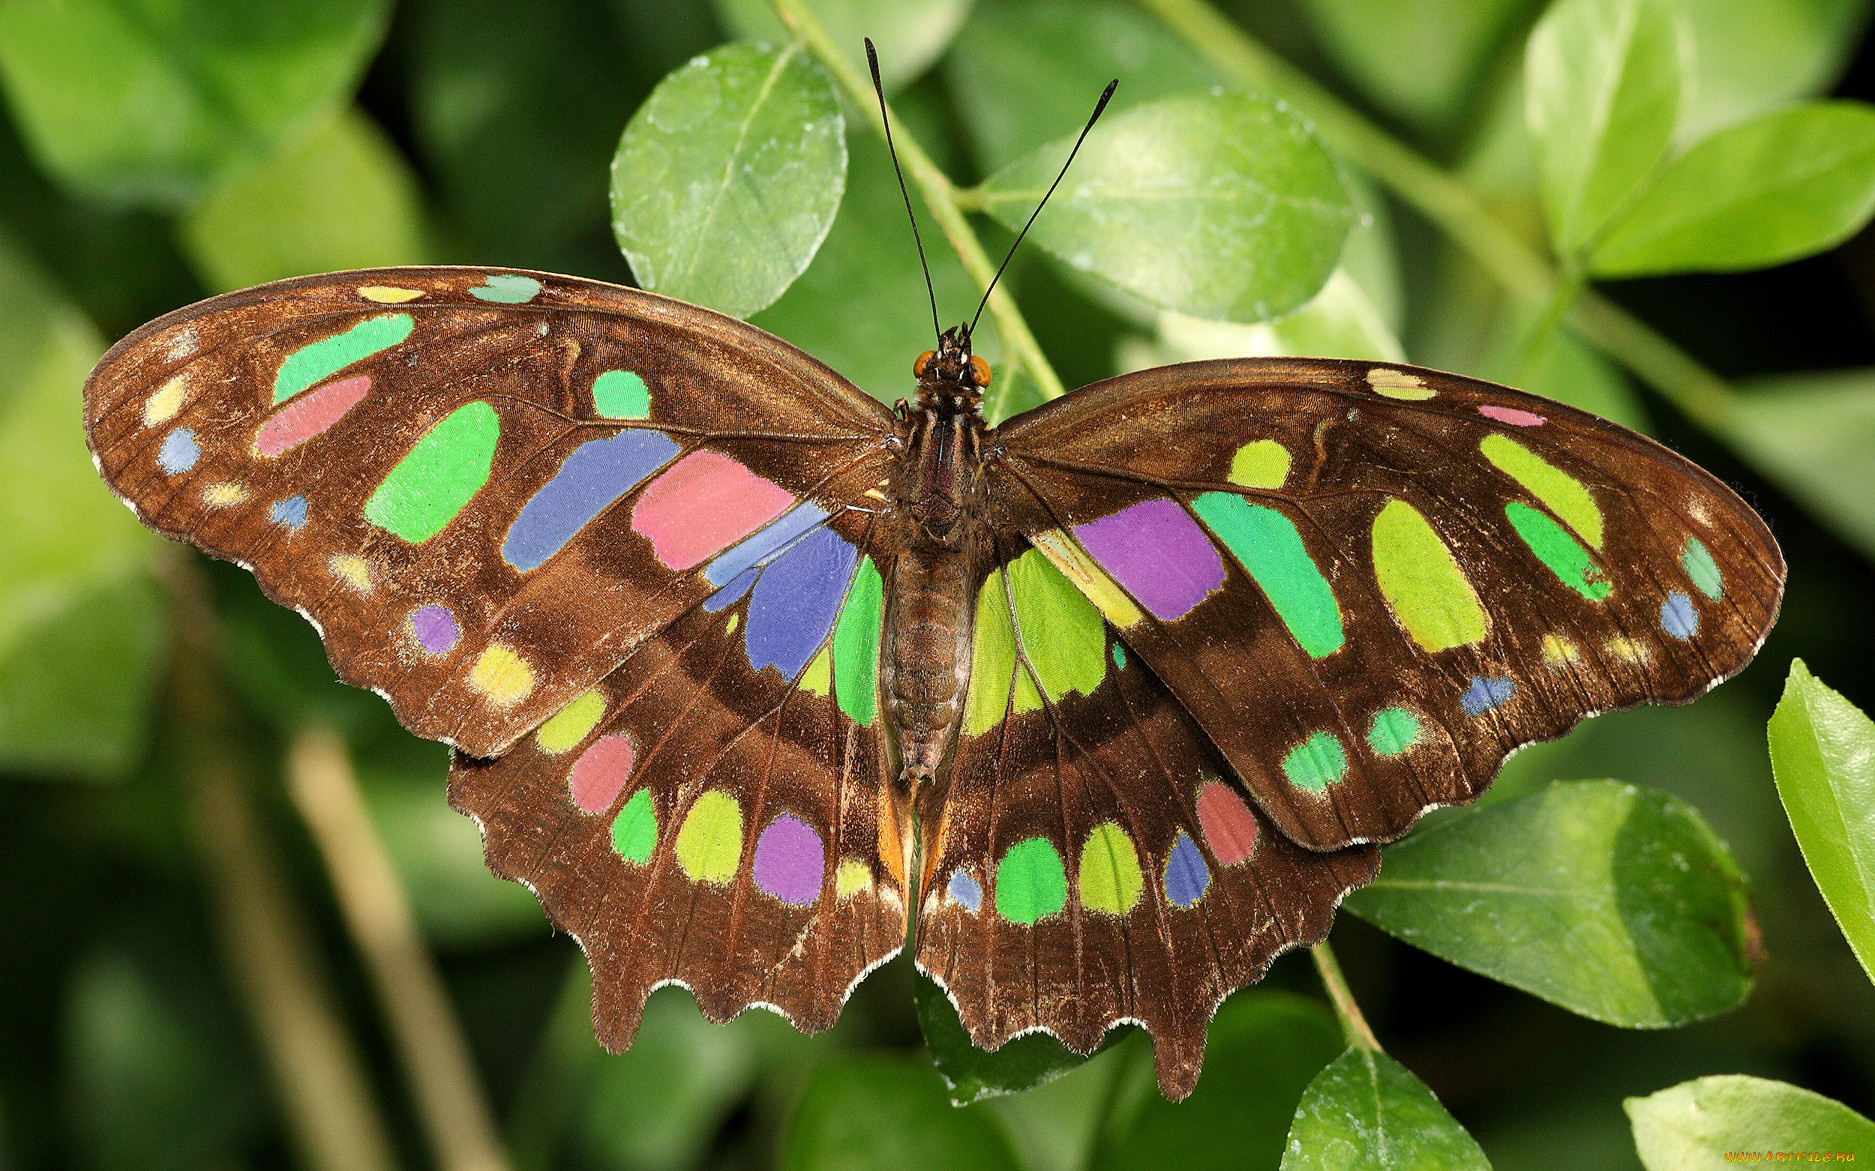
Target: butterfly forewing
487, 488
1094, 860
1370, 584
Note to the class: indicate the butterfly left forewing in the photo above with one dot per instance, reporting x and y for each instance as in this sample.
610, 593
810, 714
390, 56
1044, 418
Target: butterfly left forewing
486, 487
1370, 584
1091, 859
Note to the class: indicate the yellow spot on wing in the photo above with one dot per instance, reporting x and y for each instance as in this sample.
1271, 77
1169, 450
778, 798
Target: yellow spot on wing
354, 571
818, 677
1087, 576
388, 294
853, 877
166, 401
1628, 650
223, 495
1559, 651
503, 676
1262, 464
1396, 383
572, 724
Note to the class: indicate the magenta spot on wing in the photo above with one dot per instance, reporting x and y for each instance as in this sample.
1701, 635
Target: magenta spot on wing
600, 773
435, 629
308, 416
703, 504
1158, 552
1511, 415
789, 862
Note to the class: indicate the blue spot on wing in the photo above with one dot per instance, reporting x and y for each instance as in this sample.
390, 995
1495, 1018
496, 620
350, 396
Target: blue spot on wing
290, 512
965, 890
1678, 618
179, 451
732, 593
796, 600
1485, 694
1186, 875
765, 545
592, 478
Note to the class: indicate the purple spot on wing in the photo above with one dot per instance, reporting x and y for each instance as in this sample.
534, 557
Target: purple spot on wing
1158, 552
795, 602
597, 473
789, 862
435, 629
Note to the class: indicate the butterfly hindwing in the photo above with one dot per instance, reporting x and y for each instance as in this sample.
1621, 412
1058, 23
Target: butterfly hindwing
1093, 860
1370, 584
488, 488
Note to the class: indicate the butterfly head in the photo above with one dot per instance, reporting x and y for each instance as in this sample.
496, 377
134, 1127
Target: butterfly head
951, 378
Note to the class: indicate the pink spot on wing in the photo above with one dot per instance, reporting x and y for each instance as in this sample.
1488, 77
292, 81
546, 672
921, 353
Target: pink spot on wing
309, 415
1511, 415
1229, 828
705, 503
600, 773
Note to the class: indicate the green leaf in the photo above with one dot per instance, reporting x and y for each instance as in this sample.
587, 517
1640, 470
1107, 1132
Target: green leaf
867, 272
1215, 205
81, 628
340, 198
1263, 1049
1823, 756
882, 1110
1339, 323
1750, 56
1416, 60
1602, 85
1030, 67
909, 34
1774, 189
1367, 1111
147, 101
1813, 435
1615, 902
1700, 1123
971, 1073
728, 177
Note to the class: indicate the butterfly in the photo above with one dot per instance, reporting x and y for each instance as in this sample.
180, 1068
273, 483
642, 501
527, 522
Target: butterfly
747, 673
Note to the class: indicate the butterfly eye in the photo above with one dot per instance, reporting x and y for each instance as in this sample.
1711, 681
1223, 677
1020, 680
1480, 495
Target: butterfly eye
981, 369
924, 359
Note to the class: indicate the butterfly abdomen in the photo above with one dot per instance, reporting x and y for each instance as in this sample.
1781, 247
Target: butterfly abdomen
924, 669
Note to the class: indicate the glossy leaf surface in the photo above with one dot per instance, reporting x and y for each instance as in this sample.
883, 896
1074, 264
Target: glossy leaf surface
1367, 1112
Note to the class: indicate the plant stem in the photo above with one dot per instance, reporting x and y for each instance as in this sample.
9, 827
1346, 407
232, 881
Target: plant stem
272, 953
1353, 1024
1536, 338
940, 196
436, 1058
1444, 200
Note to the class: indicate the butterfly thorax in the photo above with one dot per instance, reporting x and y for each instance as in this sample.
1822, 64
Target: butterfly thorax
925, 664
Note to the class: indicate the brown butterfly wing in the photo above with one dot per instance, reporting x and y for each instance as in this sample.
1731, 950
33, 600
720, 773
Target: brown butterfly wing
1093, 860
368, 442
1370, 584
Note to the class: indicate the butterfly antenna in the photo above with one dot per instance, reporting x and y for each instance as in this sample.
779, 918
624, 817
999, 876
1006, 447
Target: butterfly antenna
1093, 118
878, 87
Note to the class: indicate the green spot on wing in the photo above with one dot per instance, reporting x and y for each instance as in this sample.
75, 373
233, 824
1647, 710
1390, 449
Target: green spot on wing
621, 394
1562, 493
1697, 561
1268, 546
856, 645
326, 357
635, 830
1394, 731
439, 476
1562, 553
507, 288
992, 660
1316, 763
1062, 634
1031, 883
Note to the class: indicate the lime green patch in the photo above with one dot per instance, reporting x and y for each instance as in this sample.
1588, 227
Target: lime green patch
992, 660
1562, 493
1063, 636
1269, 547
572, 724
1030, 882
323, 358
817, 676
635, 830
856, 645
439, 476
621, 394
1261, 464
1316, 763
1110, 880
1422, 582
853, 877
1562, 553
709, 846
1394, 731
1697, 561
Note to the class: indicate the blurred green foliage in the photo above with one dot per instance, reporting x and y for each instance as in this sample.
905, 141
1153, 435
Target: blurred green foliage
156, 152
